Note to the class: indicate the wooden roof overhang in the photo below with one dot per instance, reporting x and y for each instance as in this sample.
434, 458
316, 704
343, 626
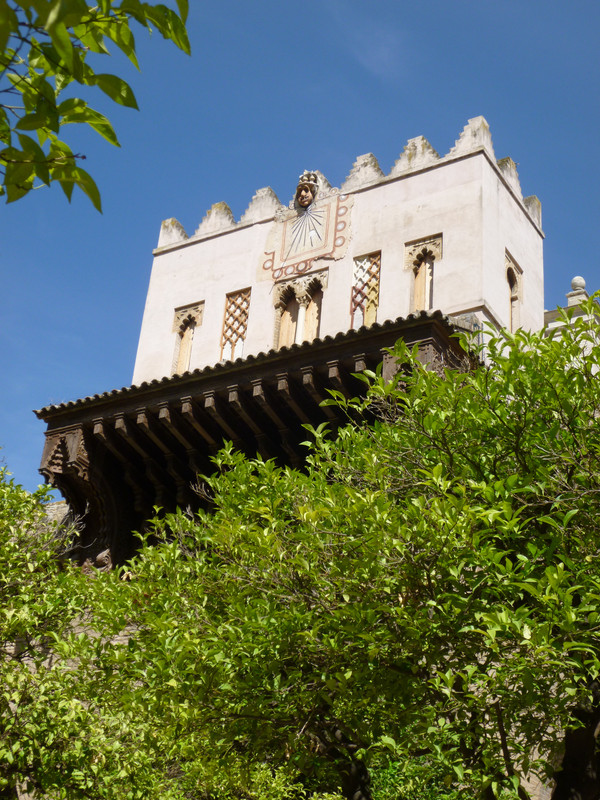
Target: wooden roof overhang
118, 455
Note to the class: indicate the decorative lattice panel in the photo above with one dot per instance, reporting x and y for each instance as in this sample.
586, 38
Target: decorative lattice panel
365, 289
235, 323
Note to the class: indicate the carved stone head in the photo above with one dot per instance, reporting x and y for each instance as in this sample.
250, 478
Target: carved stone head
306, 191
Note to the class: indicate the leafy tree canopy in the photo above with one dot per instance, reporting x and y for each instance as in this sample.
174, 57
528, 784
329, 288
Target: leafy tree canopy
415, 615
59, 738
45, 48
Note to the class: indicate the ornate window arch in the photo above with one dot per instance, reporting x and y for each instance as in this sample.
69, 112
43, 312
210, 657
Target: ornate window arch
187, 318
513, 279
419, 256
288, 308
312, 320
298, 309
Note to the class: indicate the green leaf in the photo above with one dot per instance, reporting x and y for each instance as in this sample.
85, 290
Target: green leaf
96, 121
88, 185
55, 13
67, 173
9, 23
31, 122
72, 104
19, 173
184, 7
62, 42
389, 743
67, 187
39, 158
169, 25
117, 89
92, 37
16, 191
4, 127
43, 90
122, 35
135, 9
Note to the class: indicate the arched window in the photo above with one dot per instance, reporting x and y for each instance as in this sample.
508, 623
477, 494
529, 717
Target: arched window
513, 294
289, 321
419, 258
423, 280
187, 318
298, 311
312, 322
514, 291
184, 351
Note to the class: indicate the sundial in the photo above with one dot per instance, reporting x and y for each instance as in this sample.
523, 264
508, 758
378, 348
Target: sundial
305, 233
316, 225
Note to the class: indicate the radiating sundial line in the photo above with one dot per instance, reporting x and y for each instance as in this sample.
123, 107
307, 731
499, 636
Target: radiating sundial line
297, 230
316, 230
306, 232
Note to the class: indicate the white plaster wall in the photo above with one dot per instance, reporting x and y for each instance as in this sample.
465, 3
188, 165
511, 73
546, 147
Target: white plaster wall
507, 227
463, 199
446, 201
201, 270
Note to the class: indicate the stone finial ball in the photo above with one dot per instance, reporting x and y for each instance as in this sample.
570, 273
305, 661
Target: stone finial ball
577, 283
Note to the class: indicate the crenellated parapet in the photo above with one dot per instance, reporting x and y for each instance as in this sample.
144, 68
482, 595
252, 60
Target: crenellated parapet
171, 232
534, 209
508, 168
417, 154
365, 172
218, 218
476, 135
263, 205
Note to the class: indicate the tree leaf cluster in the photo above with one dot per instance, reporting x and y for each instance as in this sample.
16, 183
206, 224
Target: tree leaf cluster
48, 51
413, 615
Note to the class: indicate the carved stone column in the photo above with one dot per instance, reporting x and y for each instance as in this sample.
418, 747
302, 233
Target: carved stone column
303, 301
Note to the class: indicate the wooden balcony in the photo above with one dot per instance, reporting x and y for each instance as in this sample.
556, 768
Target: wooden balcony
118, 455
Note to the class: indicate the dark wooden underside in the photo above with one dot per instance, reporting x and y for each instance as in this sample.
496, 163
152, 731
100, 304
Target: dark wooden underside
117, 456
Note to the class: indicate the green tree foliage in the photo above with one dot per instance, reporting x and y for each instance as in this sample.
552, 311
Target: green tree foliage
62, 734
428, 588
415, 615
48, 48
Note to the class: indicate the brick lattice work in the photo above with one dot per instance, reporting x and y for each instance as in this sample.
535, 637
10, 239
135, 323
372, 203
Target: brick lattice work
365, 290
235, 324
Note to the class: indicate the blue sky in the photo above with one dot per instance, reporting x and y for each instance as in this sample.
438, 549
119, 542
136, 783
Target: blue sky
273, 88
